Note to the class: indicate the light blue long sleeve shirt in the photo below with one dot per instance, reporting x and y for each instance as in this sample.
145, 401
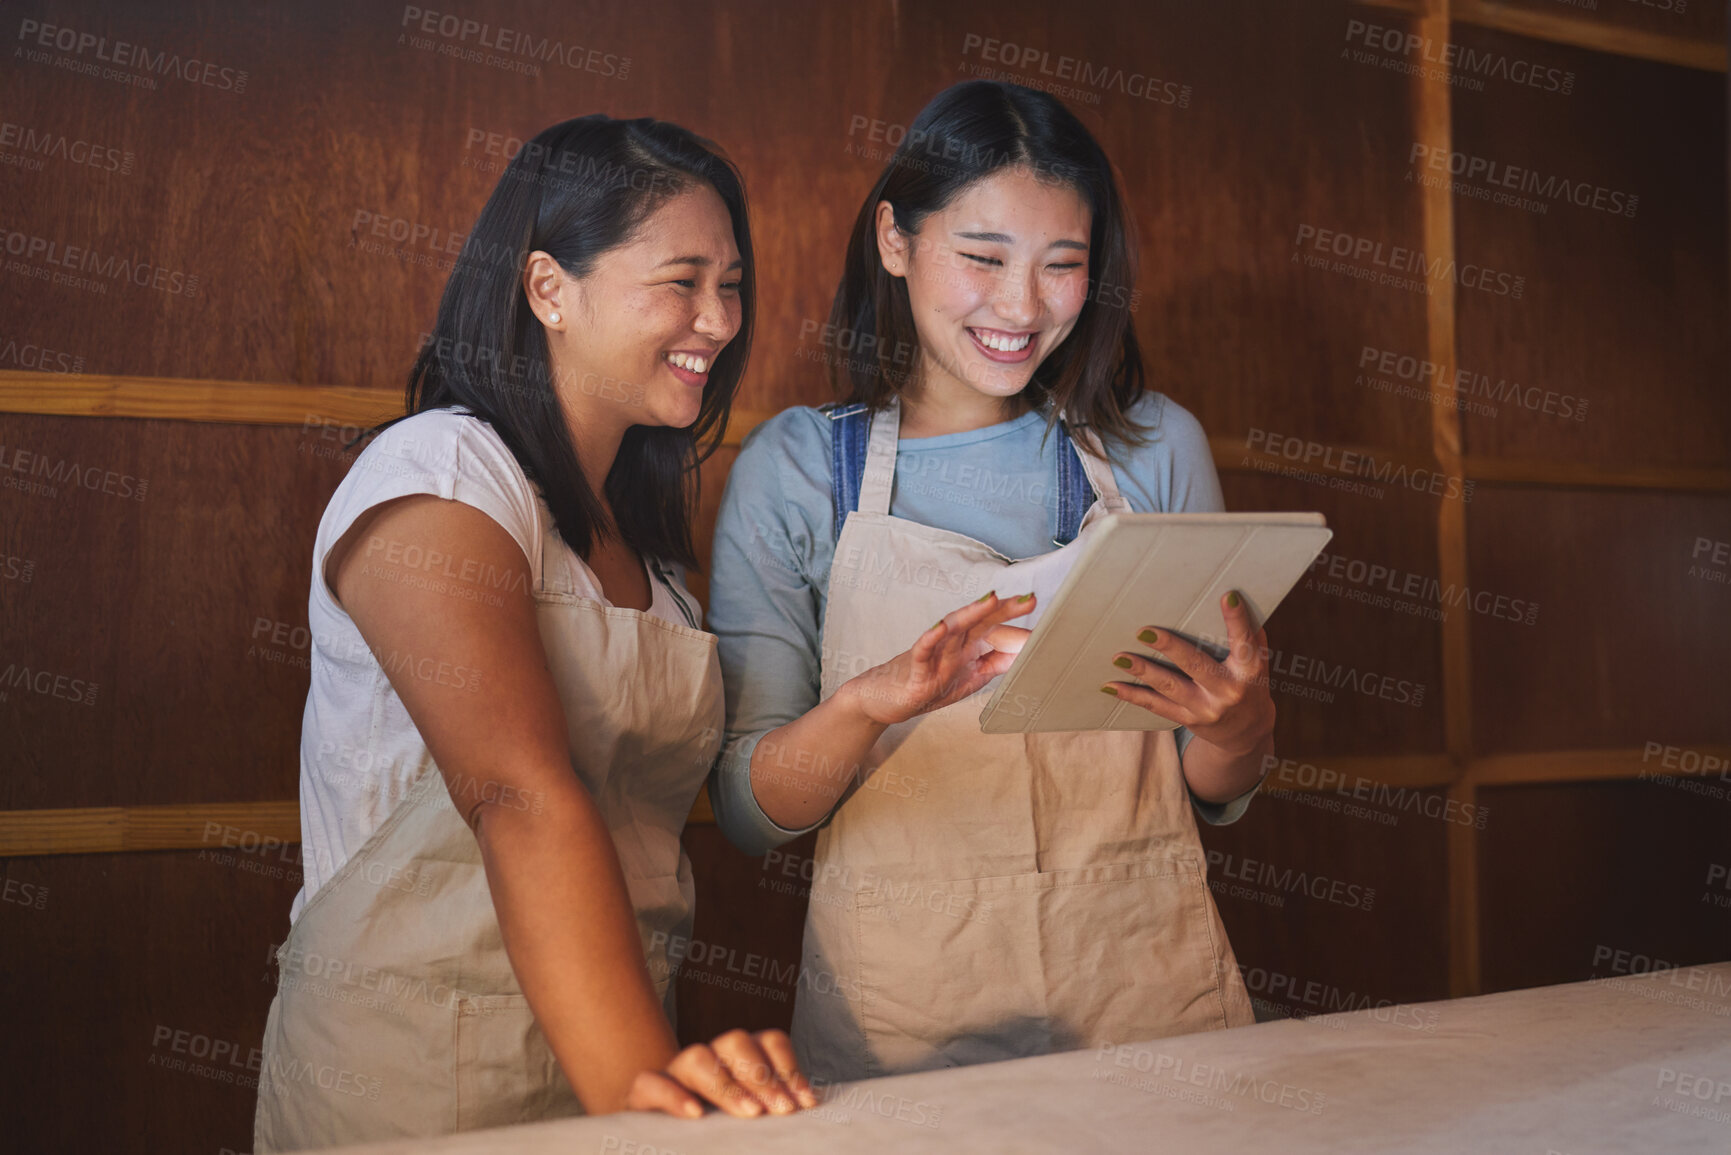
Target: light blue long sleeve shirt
775, 540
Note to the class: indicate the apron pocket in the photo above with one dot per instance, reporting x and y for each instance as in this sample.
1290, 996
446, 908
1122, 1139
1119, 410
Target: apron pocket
337, 1072
985, 969
506, 1072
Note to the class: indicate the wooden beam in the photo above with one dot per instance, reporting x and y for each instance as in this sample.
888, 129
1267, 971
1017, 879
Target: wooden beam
1579, 475
180, 399
1555, 766
117, 829
1433, 127
224, 825
226, 402
1410, 7
1594, 35
257, 403
1465, 971
1231, 456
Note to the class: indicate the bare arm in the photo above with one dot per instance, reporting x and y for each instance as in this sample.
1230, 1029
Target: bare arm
556, 884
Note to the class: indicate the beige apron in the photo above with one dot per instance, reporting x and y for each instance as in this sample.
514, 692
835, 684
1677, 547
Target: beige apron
990, 896
397, 1012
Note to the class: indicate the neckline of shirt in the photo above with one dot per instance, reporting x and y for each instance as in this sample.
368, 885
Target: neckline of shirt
969, 437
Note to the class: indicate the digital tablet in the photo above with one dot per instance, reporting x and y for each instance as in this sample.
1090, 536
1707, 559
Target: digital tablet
1136, 570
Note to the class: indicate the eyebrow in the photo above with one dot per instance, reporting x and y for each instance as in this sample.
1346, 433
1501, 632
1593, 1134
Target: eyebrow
1007, 239
700, 262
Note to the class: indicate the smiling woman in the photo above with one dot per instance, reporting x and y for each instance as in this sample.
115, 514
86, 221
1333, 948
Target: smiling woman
501, 745
1066, 867
998, 212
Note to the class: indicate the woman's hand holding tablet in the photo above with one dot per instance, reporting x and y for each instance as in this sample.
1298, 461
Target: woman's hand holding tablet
1225, 703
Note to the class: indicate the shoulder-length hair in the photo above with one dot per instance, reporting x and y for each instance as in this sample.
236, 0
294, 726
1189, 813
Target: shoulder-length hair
966, 133
575, 191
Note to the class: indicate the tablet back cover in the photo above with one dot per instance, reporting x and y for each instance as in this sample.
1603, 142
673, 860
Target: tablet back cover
1137, 570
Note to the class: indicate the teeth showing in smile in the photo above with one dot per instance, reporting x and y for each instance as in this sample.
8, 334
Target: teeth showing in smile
1000, 342
689, 362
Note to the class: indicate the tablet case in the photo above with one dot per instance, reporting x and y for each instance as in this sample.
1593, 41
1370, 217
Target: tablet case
1137, 570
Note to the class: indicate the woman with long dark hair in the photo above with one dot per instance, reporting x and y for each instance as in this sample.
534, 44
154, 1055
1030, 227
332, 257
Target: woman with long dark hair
977, 896
513, 702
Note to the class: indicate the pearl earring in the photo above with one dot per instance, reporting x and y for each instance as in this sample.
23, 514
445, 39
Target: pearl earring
553, 317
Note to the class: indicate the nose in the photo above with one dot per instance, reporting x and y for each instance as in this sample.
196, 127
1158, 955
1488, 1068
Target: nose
715, 317
1017, 300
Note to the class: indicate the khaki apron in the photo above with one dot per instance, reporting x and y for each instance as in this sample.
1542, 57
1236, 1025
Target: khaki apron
980, 896
397, 1012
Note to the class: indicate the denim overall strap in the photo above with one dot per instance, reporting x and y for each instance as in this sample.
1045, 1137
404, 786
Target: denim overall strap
847, 443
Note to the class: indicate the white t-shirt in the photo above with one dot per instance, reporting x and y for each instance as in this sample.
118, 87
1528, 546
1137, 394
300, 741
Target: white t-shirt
359, 749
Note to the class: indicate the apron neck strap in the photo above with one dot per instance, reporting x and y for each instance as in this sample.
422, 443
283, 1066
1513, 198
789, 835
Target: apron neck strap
880, 462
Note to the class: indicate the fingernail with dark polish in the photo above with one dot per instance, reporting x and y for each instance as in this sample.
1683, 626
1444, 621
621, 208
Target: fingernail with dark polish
1121, 663
1232, 599
1112, 690
1152, 637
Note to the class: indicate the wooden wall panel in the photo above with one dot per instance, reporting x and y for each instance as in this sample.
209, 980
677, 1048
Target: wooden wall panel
1629, 644
159, 602
1303, 874
1624, 313
1330, 650
1276, 124
1235, 325
1642, 851
216, 186
742, 970
140, 988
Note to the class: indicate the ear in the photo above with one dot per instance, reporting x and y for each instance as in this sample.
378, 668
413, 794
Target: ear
546, 286
894, 251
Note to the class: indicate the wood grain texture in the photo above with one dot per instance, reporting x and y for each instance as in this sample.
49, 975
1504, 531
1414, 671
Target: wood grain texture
1301, 874
228, 402
180, 610
1615, 360
346, 412
1676, 32
751, 922
1433, 133
159, 649
1355, 670
1627, 642
1704, 762
250, 825
118, 829
1582, 475
1466, 934
149, 977
1642, 850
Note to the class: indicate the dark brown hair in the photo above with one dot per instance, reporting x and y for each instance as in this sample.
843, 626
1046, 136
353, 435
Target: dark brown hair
966, 133
577, 190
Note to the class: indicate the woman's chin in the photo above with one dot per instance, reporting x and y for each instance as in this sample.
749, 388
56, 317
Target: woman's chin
1001, 384
679, 414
